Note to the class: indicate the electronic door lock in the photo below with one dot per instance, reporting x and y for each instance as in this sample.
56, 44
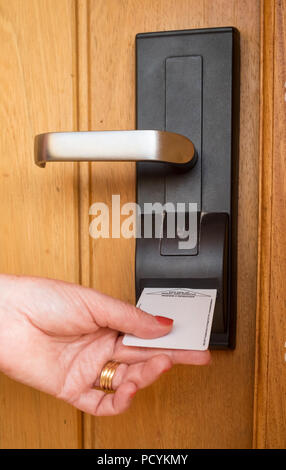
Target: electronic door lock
187, 85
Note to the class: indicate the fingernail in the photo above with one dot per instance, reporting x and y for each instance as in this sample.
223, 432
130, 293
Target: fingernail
166, 370
164, 320
132, 394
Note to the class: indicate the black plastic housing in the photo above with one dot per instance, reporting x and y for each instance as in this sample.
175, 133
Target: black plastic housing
188, 82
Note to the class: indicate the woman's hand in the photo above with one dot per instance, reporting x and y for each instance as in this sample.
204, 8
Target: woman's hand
57, 337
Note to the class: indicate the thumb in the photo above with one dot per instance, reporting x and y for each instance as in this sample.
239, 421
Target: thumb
121, 316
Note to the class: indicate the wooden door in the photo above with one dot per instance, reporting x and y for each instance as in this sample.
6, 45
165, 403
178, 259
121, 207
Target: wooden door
70, 65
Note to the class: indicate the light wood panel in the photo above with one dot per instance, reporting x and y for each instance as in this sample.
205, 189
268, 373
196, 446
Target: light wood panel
83, 92
188, 407
270, 416
265, 220
39, 208
276, 410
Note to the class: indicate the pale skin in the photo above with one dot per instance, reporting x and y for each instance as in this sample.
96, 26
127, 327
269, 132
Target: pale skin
57, 337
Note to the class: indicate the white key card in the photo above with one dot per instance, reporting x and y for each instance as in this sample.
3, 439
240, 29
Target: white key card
192, 311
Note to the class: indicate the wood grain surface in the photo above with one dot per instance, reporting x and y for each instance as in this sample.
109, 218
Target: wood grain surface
189, 406
265, 220
39, 208
270, 406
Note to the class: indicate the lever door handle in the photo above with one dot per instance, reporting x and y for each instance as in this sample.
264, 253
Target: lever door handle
137, 146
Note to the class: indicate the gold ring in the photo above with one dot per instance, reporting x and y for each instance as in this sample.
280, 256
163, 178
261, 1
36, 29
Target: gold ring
106, 376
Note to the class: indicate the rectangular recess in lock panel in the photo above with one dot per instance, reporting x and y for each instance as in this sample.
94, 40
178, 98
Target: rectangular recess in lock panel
188, 82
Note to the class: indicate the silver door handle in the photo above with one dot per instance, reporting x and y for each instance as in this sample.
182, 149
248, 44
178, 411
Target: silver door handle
137, 146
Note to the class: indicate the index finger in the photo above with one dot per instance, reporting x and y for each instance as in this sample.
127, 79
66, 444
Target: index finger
133, 354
